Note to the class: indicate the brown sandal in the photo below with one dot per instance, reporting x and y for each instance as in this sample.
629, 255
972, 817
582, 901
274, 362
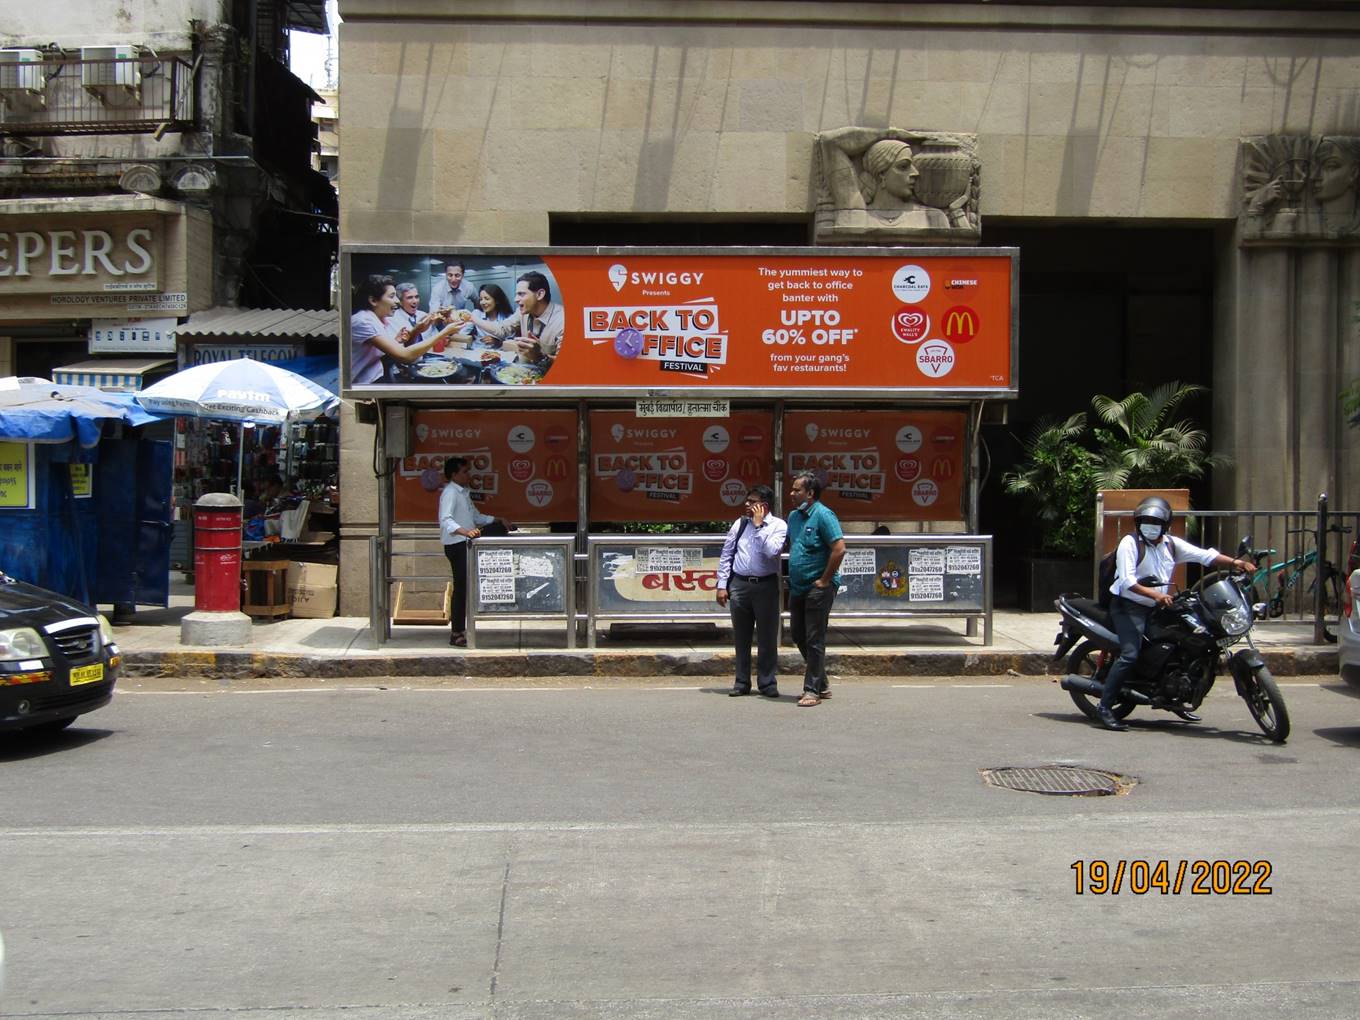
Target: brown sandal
808, 700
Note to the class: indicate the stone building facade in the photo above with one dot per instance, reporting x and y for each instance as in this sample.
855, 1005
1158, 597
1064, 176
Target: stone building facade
1197, 159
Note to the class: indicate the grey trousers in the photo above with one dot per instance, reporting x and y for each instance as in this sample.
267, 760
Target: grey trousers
754, 605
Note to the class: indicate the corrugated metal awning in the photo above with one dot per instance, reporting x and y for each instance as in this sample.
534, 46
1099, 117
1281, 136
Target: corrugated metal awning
236, 323
123, 375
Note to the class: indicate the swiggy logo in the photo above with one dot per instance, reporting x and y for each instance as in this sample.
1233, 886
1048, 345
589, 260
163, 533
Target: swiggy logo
556, 468
960, 324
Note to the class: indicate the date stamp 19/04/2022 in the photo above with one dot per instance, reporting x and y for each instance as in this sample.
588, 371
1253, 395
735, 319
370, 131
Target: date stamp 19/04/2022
1200, 877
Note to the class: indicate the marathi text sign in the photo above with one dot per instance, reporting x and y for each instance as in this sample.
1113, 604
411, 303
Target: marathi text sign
688, 321
881, 465
16, 476
523, 464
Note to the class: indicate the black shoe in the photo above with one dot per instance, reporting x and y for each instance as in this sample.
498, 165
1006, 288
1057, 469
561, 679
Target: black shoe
1108, 720
737, 692
770, 692
1187, 715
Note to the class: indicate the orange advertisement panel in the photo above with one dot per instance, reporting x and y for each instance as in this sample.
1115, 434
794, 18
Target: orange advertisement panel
523, 464
881, 465
579, 324
676, 469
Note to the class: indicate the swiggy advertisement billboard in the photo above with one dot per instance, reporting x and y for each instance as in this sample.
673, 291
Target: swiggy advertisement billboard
580, 324
881, 465
523, 464
676, 469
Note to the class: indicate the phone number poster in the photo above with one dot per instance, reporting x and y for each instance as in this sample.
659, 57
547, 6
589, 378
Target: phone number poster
691, 322
881, 465
523, 464
676, 469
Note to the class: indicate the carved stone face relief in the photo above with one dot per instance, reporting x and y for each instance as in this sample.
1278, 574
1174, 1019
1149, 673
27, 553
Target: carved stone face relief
1297, 187
885, 184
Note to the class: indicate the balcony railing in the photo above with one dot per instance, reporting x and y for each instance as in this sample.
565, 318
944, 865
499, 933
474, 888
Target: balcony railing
61, 96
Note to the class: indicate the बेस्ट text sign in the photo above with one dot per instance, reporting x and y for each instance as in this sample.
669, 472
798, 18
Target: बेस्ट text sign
881, 465
523, 464
676, 469
880, 324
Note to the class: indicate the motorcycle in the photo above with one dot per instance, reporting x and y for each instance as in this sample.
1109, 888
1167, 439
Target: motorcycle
1185, 647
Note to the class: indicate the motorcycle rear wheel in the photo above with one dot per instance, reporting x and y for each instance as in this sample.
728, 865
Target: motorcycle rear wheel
1085, 661
1266, 704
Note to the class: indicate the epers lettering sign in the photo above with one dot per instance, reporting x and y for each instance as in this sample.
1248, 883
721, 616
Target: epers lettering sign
878, 324
114, 257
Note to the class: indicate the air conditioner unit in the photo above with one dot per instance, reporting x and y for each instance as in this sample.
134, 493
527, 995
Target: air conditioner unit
114, 83
21, 78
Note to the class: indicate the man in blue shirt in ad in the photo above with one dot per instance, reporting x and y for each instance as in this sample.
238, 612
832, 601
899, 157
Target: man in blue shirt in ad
748, 584
816, 548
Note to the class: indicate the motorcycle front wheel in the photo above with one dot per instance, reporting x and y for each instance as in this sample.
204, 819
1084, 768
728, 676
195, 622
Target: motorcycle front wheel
1085, 660
1266, 704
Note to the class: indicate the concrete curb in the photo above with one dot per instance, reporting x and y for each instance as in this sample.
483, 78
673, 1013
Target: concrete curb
229, 665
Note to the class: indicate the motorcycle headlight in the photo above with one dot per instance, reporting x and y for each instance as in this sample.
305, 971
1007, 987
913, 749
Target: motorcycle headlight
21, 643
1235, 620
105, 630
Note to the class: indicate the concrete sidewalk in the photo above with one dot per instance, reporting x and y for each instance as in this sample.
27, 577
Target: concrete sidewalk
1022, 644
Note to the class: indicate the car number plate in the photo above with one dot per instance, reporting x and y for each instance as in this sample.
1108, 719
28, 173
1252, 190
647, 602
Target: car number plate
87, 674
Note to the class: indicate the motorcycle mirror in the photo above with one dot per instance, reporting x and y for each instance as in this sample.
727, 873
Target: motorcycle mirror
1259, 610
1244, 546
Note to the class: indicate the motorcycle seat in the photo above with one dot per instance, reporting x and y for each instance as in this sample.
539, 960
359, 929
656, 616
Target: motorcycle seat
1092, 610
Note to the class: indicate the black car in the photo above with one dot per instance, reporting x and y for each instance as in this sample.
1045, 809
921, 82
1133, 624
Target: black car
57, 658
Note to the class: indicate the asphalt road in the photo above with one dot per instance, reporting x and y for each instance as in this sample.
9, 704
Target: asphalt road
640, 851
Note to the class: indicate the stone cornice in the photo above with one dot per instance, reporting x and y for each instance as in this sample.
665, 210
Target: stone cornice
859, 14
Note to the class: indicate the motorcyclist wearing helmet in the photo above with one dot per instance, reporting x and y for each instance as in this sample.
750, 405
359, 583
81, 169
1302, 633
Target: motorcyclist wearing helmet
1153, 559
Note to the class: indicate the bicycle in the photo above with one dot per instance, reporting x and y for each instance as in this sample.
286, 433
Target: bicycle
1288, 575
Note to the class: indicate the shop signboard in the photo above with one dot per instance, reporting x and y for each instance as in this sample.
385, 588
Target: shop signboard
523, 464
881, 465
867, 324
211, 354
136, 336
16, 476
676, 469
68, 254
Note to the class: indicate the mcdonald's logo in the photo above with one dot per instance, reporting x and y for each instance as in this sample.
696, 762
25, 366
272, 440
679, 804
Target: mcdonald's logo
960, 324
749, 469
942, 470
556, 468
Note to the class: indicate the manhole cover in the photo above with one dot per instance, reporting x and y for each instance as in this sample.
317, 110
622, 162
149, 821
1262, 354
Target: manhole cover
1064, 780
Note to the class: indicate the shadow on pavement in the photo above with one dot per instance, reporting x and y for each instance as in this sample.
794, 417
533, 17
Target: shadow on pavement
23, 745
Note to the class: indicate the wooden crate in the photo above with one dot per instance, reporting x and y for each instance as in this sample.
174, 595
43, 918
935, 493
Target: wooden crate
404, 613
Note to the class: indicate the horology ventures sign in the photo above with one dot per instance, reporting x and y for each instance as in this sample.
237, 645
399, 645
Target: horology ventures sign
867, 322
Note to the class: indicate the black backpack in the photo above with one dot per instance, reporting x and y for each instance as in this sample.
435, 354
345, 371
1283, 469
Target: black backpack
1107, 570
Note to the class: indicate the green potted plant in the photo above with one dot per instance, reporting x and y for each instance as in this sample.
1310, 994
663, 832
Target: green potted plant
1056, 482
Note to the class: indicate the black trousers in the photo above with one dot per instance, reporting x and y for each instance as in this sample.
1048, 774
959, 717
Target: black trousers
457, 553
1130, 621
754, 606
808, 616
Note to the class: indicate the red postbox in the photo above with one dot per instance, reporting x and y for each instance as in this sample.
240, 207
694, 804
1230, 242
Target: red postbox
217, 553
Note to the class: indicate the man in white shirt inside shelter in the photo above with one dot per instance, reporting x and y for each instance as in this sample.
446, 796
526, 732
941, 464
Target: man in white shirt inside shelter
459, 523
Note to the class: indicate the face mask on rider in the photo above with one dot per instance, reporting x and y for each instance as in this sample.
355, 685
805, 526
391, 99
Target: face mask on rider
1151, 532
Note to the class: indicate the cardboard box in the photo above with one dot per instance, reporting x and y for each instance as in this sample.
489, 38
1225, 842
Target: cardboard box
312, 589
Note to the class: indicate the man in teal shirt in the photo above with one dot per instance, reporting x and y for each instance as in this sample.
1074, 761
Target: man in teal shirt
816, 548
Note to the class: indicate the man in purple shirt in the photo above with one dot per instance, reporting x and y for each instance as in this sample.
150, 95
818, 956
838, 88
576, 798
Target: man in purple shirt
748, 584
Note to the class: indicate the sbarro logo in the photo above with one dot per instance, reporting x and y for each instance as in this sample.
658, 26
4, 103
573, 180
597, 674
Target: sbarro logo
935, 358
911, 284
521, 439
925, 492
733, 492
539, 493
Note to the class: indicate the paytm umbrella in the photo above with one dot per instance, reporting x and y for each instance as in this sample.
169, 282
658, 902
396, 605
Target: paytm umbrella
241, 391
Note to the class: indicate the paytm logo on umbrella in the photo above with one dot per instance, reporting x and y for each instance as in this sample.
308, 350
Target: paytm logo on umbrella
245, 396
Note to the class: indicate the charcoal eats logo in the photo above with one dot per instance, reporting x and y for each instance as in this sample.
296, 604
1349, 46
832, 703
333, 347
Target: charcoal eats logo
935, 358
716, 439
521, 439
911, 284
909, 439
